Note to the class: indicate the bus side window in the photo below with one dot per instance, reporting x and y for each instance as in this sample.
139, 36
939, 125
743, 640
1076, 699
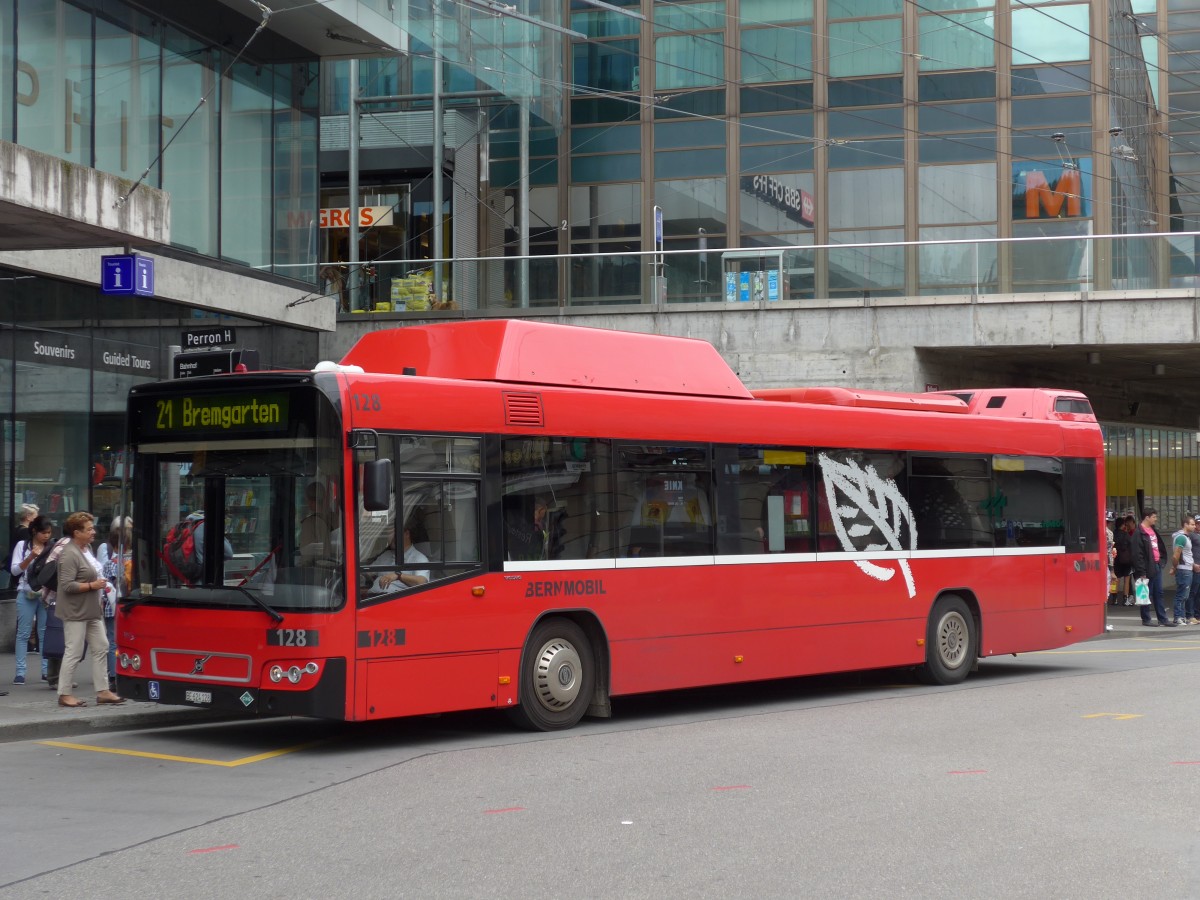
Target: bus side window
866, 487
948, 496
1028, 501
1083, 513
671, 515
555, 498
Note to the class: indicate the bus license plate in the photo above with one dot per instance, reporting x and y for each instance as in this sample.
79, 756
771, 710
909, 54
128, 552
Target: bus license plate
198, 697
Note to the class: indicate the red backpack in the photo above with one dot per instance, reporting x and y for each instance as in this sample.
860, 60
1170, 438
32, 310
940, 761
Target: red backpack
179, 552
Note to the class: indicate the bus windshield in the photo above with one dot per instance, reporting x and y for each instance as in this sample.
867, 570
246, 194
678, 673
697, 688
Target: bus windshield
246, 520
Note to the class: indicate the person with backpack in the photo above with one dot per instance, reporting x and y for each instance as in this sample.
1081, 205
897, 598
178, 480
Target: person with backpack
29, 598
183, 553
116, 565
80, 588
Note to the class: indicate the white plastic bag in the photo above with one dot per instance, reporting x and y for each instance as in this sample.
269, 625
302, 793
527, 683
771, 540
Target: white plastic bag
1141, 592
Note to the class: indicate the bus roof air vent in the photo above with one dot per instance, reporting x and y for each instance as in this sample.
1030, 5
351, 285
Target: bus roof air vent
1027, 403
523, 409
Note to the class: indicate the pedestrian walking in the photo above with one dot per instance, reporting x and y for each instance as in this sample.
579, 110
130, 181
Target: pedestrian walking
80, 587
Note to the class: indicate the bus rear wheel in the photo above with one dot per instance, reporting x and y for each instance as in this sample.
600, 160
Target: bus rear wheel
951, 642
558, 677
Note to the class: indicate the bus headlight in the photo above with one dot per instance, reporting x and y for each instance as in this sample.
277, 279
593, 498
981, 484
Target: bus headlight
294, 674
276, 674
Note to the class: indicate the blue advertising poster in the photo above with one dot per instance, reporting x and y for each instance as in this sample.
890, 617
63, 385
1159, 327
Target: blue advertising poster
731, 287
772, 285
744, 287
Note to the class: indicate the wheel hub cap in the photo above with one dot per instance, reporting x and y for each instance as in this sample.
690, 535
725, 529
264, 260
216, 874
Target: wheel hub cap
556, 677
952, 640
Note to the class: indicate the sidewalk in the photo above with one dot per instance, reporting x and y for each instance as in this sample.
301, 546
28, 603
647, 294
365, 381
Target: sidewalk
1126, 621
31, 711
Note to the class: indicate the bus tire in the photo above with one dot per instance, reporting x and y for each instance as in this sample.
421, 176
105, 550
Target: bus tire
951, 642
558, 677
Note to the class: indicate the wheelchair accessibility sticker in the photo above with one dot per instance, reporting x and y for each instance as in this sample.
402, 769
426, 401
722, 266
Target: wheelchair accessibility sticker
155, 693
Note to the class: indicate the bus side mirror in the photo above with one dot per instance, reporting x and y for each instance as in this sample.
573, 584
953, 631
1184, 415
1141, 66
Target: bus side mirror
377, 485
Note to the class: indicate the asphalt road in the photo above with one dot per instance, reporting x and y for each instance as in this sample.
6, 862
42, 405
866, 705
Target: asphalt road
1074, 773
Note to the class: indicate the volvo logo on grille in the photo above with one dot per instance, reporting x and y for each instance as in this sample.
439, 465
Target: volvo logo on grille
198, 667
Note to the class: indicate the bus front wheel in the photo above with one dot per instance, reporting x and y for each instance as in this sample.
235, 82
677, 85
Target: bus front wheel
558, 677
951, 641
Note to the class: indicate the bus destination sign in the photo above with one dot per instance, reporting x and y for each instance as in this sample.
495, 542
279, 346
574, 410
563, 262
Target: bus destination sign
215, 413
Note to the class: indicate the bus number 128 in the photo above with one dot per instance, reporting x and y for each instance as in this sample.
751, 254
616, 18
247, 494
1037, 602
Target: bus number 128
292, 637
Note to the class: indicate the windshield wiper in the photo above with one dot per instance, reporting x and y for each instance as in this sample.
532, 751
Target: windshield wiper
257, 601
130, 602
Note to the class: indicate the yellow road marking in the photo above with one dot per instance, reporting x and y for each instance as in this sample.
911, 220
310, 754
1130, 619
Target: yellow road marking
1112, 715
194, 760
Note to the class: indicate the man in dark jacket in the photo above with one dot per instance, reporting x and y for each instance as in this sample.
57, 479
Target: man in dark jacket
1149, 555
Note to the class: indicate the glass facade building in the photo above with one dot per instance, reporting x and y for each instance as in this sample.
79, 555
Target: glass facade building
850, 141
177, 97
852, 126
108, 86
899, 121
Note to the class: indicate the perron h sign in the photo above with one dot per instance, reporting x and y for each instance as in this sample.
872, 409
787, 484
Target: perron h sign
127, 273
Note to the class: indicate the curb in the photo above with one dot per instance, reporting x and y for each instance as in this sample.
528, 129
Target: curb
52, 725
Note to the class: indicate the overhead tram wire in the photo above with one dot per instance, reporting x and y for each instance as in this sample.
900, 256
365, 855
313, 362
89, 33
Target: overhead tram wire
639, 101
812, 145
887, 98
1103, 89
1098, 40
266, 17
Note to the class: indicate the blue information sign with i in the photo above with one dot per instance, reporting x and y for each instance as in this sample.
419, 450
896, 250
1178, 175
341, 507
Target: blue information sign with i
127, 273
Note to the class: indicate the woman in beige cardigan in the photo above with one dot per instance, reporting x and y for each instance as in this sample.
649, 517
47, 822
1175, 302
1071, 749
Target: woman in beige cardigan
81, 608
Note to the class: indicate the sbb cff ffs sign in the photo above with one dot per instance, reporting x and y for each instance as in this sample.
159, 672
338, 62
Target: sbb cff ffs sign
215, 362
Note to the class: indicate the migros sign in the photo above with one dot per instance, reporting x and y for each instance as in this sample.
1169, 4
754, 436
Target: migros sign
1046, 190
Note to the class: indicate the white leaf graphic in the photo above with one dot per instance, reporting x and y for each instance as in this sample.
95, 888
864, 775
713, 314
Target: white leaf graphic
865, 493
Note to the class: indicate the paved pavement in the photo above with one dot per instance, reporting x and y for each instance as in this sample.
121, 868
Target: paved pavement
31, 711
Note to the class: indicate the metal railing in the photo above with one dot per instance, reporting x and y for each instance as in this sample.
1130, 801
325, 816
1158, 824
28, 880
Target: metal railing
593, 277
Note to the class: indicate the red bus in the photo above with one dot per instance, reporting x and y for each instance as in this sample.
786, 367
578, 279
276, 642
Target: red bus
539, 518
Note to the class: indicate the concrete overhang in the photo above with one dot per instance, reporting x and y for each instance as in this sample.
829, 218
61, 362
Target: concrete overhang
195, 284
50, 203
331, 28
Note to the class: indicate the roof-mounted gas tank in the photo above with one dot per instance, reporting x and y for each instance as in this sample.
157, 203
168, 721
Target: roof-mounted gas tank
521, 352
836, 396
